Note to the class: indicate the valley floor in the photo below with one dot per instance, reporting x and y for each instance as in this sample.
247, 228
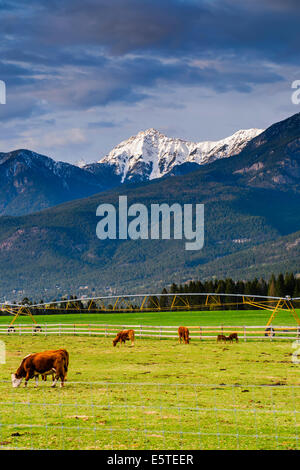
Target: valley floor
155, 395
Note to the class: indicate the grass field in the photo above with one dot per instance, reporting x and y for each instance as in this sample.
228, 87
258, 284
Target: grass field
156, 395
213, 317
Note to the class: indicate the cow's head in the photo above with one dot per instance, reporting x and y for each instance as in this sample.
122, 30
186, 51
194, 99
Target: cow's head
15, 380
115, 341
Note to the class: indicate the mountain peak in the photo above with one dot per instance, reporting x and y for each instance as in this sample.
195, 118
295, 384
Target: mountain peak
151, 154
150, 131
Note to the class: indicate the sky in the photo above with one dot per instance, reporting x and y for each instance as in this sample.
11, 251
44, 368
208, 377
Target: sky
83, 76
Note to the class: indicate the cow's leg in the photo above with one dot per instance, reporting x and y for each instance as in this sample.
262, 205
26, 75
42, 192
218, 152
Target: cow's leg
62, 378
27, 377
59, 374
55, 380
36, 378
55, 377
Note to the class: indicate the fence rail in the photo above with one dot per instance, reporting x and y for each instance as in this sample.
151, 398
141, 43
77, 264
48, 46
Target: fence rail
200, 333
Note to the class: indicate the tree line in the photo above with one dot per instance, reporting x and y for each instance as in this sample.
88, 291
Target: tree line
277, 286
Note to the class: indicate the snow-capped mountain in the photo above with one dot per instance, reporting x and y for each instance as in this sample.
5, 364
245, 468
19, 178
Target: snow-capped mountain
32, 182
150, 154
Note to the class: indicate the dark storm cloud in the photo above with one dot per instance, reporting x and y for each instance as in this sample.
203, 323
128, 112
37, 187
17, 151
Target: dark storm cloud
79, 54
168, 26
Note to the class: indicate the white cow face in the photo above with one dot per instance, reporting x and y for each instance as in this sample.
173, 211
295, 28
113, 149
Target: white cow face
15, 382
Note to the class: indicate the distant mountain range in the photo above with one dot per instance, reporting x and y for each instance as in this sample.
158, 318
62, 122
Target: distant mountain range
31, 182
150, 154
252, 228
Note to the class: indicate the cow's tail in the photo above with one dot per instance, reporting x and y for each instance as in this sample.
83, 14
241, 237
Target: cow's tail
66, 360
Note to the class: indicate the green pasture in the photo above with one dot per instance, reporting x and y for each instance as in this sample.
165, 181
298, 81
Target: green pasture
155, 395
174, 318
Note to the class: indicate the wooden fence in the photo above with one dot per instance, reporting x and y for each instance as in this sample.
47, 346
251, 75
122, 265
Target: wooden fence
200, 333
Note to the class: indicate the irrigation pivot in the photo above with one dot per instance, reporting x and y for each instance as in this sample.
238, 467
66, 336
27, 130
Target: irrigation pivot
158, 302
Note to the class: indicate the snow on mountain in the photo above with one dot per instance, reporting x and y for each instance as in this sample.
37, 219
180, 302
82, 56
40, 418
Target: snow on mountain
150, 154
81, 163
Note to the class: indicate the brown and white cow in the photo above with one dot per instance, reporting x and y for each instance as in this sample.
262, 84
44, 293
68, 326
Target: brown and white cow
233, 336
222, 338
43, 363
184, 334
124, 336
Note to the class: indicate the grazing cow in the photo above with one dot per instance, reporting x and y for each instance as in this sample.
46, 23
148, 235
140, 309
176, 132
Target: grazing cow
233, 336
44, 363
222, 338
184, 334
124, 336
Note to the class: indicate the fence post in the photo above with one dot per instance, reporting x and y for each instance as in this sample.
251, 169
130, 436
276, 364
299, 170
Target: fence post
105, 331
160, 331
89, 329
200, 333
74, 329
46, 329
245, 335
141, 327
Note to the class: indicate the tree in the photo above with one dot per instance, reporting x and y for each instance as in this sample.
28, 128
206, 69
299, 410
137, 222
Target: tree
289, 284
279, 286
164, 300
272, 287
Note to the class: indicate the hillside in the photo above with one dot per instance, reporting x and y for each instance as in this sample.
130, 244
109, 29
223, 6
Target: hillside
252, 223
30, 182
58, 247
270, 160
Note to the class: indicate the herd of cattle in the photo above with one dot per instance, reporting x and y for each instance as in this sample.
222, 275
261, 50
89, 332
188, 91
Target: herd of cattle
56, 362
